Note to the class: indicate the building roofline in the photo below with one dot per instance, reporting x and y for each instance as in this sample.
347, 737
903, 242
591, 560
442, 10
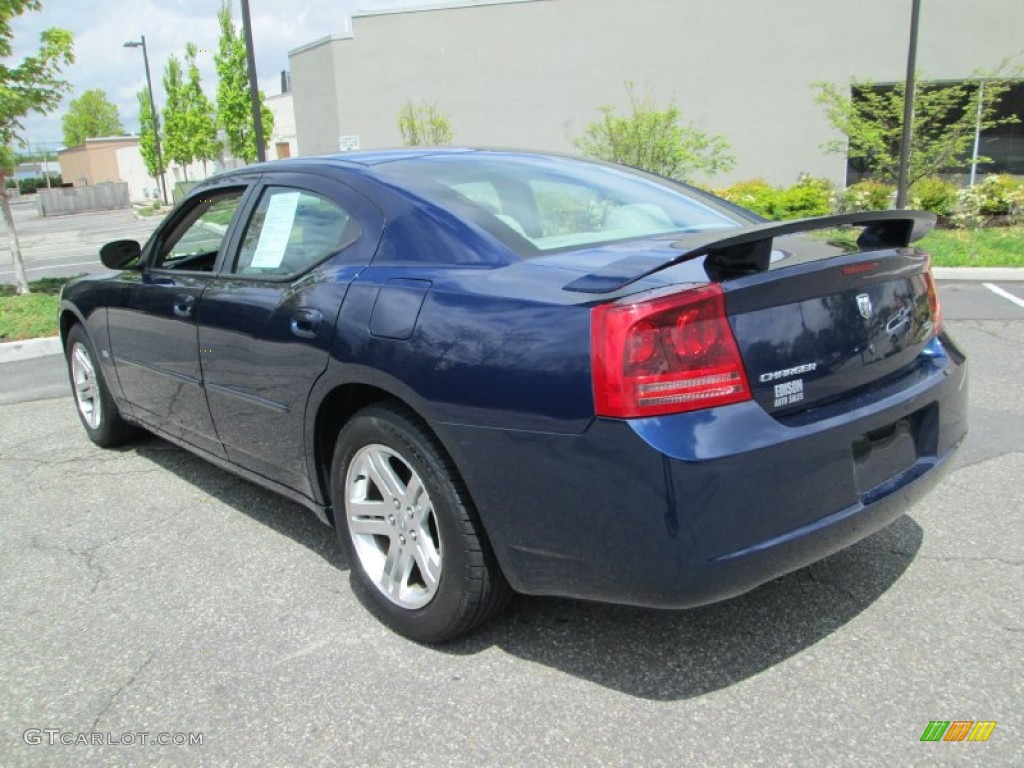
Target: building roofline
98, 139
346, 35
451, 5
349, 34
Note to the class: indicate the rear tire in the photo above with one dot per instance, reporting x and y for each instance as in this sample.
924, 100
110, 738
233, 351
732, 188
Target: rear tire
96, 407
419, 557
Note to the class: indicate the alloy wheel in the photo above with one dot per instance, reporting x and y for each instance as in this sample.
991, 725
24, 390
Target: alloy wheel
392, 524
87, 387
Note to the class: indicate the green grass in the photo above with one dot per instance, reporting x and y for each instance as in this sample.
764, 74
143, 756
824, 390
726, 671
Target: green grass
991, 247
28, 317
31, 316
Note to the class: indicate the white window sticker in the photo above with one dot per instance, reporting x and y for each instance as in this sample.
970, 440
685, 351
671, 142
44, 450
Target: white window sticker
276, 230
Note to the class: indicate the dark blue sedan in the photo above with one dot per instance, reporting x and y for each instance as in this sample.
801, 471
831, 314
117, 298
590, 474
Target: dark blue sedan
495, 370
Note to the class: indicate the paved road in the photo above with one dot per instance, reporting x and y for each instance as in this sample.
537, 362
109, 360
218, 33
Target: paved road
146, 591
66, 245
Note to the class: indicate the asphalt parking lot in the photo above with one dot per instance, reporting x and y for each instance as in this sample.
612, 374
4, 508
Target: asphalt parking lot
146, 591
66, 245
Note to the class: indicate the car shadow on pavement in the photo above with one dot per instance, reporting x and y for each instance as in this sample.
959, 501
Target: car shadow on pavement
276, 512
658, 655
670, 655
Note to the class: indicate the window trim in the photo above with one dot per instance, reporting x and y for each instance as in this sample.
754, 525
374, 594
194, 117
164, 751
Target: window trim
245, 185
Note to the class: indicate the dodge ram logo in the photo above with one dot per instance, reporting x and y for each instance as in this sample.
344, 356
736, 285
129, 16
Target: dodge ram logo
864, 305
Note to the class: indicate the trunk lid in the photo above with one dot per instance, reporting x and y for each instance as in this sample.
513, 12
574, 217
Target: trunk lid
813, 320
824, 328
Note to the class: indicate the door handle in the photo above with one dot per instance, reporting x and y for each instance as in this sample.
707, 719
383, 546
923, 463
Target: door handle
183, 305
305, 321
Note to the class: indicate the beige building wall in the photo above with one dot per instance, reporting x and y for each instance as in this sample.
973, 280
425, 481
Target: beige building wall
94, 162
533, 73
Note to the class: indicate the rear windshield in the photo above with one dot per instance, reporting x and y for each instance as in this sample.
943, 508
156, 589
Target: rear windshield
537, 204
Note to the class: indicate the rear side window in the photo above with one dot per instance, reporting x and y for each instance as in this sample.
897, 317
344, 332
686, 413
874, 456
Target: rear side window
536, 203
292, 230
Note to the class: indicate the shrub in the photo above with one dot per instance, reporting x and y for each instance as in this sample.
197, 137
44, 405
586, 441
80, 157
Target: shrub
999, 195
28, 186
808, 197
46, 285
655, 140
935, 195
754, 194
867, 195
424, 125
995, 196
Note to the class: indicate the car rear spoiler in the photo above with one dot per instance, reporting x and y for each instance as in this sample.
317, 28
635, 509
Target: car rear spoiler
749, 249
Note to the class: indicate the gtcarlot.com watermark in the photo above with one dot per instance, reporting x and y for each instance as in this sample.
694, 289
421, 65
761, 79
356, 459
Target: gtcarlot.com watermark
55, 736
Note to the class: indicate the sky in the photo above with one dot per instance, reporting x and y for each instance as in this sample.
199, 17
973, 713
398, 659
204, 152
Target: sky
100, 27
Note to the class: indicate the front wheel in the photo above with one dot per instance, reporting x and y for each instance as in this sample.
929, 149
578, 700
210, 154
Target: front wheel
96, 406
405, 520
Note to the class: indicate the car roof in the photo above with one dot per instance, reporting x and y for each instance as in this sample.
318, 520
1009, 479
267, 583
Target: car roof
367, 160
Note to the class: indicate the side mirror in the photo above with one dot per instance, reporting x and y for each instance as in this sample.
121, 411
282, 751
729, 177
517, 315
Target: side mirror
120, 253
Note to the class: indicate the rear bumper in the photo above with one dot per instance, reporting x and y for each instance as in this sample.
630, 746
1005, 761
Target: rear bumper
689, 509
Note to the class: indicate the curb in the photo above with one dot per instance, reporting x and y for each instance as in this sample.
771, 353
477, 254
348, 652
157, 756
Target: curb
12, 351
979, 274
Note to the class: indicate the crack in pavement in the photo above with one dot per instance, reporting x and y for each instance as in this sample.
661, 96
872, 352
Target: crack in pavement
121, 689
89, 554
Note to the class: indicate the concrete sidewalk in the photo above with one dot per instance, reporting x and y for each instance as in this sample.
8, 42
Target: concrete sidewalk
11, 351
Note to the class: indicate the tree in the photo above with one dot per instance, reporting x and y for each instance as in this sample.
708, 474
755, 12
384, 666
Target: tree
199, 112
234, 106
870, 118
424, 125
176, 144
8, 160
147, 136
89, 116
32, 85
655, 140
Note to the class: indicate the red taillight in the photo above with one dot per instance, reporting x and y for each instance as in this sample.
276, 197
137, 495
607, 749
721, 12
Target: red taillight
665, 354
933, 297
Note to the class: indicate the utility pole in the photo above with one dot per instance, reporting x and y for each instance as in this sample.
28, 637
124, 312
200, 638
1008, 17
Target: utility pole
908, 109
254, 91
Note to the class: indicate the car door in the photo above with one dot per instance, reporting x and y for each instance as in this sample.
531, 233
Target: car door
153, 333
267, 320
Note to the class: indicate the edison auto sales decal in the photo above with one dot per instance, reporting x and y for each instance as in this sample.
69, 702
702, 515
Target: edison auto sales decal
789, 392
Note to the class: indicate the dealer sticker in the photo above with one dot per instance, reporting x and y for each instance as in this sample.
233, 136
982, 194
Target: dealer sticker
789, 392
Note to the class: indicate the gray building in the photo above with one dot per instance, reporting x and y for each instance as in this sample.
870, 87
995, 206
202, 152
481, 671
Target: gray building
532, 73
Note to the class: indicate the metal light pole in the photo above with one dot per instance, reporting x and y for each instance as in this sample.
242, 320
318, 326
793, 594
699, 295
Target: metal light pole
908, 109
254, 92
152, 110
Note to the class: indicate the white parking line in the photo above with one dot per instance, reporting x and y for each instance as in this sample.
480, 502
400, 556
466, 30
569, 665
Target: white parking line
1005, 294
52, 266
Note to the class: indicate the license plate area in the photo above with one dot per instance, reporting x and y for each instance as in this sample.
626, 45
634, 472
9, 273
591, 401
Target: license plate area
888, 451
